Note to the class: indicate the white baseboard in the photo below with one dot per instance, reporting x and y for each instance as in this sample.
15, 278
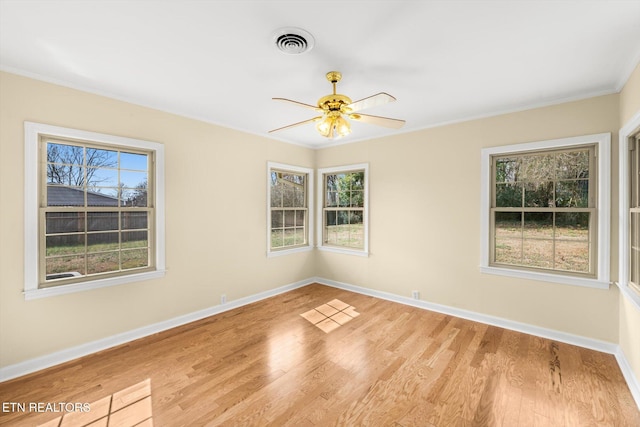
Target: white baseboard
590, 343
38, 363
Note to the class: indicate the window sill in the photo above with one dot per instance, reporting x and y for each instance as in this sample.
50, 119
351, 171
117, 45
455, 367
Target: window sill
273, 254
338, 250
32, 294
546, 277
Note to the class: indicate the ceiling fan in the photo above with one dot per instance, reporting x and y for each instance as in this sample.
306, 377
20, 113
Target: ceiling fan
336, 109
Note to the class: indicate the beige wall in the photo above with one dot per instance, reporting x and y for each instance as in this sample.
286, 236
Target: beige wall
629, 313
214, 177
425, 220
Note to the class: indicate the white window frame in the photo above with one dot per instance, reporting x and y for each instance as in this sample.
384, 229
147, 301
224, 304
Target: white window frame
631, 128
603, 208
310, 208
320, 201
32, 134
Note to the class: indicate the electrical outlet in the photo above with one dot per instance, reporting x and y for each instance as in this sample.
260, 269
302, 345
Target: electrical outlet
223, 299
415, 294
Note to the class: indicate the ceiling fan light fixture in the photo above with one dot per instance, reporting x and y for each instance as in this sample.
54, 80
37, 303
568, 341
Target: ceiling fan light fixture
332, 126
342, 127
293, 41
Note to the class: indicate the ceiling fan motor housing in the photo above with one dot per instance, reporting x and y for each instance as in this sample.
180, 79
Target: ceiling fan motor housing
334, 102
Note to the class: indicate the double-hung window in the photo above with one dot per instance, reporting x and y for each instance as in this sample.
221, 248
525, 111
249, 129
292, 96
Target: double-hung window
343, 200
289, 210
544, 210
94, 210
629, 200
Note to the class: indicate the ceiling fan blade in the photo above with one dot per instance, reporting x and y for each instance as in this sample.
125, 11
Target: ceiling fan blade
370, 101
377, 120
301, 104
296, 124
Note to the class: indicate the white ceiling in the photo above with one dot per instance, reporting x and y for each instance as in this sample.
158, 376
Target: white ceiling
216, 61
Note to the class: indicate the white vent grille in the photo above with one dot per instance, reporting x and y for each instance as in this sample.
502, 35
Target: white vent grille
293, 41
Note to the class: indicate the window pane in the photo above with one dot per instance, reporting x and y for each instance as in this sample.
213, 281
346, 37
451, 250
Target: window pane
289, 237
356, 180
572, 194
276, 197
331, 218
65, 154
102, 221
507, 170
572, 225
98, 242
538, 194
134, 220
136, 258
134, 239
538, 225
300, 218
102, 158
69, 175
133, 161
537, 253
65, 244
288, 197
135, 198
572, 256
357, 199
289, 218
508, 224
331, 183
332, 199
300, 236
103, 197
536, 168
508, 251
635, 266
130, 179
344, 199
277, 238
572, 165
509, 195
277, 219
299, 199
60, 195
342, 217
101, 177
634, 260
64, 222
65, 266
103, 262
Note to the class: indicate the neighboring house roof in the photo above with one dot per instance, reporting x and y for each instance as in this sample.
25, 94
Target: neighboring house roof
59, 195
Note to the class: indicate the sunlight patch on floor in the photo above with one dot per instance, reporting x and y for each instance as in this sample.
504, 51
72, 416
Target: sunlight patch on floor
125, 408
331, 315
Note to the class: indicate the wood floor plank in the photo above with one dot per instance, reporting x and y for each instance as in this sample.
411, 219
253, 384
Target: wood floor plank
264, 364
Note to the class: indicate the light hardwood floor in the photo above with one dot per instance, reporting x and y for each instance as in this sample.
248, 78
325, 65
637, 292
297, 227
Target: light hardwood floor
387, 365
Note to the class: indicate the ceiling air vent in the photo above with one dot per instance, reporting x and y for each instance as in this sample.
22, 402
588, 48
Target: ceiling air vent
293, 41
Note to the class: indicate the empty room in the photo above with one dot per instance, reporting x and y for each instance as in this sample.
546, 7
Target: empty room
319, 213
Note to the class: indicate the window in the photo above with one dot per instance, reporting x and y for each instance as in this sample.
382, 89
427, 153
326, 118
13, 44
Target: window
545, 206
634, 213
344, 209
629, 199
95, 203
288, 211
